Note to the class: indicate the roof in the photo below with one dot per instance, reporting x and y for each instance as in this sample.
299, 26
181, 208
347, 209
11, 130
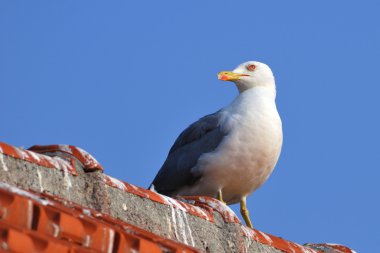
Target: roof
40, 223
57, 198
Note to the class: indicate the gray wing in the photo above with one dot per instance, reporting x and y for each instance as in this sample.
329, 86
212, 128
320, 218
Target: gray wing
203, 136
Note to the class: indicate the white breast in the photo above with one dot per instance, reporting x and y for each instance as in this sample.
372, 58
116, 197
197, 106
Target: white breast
247, 155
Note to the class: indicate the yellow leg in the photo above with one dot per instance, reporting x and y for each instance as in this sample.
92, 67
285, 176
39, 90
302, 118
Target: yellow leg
220, 196
244, 212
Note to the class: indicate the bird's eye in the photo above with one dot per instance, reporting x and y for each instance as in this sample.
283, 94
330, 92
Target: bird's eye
251, 67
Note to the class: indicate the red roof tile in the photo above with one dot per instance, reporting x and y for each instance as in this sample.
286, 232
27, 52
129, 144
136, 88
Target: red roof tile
88, 161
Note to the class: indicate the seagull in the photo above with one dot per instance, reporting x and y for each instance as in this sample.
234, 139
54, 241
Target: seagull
232, 152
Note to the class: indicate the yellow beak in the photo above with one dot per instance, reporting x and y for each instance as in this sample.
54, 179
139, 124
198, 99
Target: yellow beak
229, 76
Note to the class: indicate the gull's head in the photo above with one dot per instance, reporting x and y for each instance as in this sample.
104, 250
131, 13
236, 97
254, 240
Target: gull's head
249, 75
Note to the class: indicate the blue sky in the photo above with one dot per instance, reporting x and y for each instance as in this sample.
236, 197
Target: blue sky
122, 79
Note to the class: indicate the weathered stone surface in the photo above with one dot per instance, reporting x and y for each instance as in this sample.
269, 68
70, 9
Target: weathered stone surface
89, 190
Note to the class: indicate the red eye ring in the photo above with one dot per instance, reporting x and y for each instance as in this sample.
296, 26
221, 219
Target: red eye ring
251, 67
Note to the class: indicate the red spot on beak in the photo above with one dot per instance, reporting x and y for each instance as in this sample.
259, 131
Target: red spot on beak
223, 77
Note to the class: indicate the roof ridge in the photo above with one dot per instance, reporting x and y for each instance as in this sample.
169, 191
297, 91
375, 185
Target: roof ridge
98, 191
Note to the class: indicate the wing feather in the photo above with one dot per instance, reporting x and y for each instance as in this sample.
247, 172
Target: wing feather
203, 136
